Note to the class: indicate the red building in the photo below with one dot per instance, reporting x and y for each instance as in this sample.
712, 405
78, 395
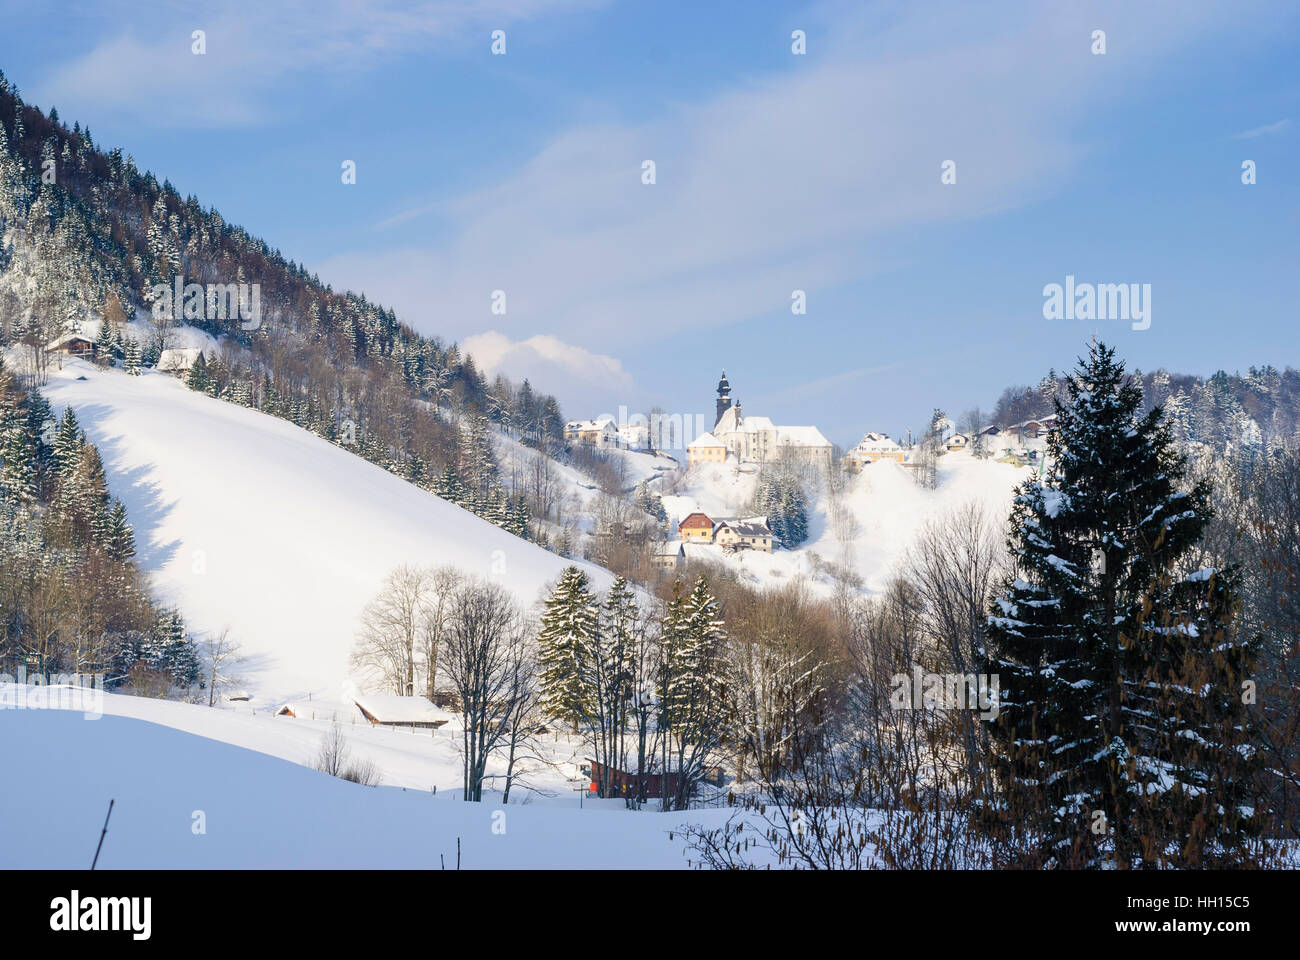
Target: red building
696, 527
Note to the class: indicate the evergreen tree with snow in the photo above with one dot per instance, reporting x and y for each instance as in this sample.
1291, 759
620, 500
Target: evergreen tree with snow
119, 540
691, 685
131, 359
104, 344
567, 635
197, 378
1122, 737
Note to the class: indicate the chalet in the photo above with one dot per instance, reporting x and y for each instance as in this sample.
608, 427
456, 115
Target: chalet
706, 448
72, 345
696, 528
178, 360
958, 441
592, 433
667, 554
390, 710
751, 533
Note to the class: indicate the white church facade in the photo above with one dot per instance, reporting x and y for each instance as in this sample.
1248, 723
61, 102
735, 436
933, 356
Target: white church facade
758, 440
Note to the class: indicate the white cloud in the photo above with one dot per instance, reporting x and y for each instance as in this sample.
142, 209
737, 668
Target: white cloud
154, 78
582, 381
796, 180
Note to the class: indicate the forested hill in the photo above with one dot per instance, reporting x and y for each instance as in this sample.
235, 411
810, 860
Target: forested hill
1259, 408
84, 234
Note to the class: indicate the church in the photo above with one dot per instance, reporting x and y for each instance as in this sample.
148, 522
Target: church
758, 440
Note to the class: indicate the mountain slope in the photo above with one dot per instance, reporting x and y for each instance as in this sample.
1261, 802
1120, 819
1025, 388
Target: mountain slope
245, 520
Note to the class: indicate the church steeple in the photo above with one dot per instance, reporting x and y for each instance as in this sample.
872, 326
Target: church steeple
724, 397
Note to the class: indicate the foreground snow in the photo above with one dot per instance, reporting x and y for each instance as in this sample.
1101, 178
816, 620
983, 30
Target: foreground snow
185, 801
247, 521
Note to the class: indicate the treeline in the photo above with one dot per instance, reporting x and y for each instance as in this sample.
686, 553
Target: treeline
85, 234
1226, 411
71, 599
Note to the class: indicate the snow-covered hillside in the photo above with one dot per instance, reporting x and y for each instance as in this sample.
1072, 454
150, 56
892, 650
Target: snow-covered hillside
247, 521
172, 768
887, 504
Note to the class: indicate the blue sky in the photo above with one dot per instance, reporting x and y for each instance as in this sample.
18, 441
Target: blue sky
775, 172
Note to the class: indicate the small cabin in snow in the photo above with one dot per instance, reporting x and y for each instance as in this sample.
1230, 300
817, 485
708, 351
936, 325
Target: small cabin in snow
72, 345
390, 710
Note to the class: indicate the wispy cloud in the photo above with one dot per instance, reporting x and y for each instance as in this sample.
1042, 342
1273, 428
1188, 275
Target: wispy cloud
795, 180
154, 77
1264, 131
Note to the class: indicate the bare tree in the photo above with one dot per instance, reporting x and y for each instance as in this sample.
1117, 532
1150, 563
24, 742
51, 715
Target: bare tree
484, 654
391, 631
223, 655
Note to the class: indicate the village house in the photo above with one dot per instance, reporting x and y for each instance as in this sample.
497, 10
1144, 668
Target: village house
592, 433
178, 360
758, 440
873, 448
390, 710
696, 528
706, 448
666, 554
751, 533
958, 441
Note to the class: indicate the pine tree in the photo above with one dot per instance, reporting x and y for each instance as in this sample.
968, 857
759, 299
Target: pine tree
568, 632
104, 344
131, 358
197, 379
119, 540
1119, 671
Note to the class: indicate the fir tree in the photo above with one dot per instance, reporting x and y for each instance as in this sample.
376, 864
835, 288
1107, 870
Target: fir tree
197, 379
1119, 669
131, 359
568, 632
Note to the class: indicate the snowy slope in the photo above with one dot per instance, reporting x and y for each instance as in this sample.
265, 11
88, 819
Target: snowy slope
258, 811
246, 520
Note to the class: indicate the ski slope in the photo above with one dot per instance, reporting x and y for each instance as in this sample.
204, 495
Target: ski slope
247, 521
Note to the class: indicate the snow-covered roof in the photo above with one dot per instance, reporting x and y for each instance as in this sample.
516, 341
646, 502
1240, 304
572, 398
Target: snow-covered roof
752, 527
878, 442
66, 339
390, 708
178, 358
340, 710
599, 424
802, 437
665, 548
705, 440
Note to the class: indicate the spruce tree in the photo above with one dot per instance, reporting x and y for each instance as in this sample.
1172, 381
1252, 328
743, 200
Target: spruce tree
567, 634
197, 379
131, 358
1122, 736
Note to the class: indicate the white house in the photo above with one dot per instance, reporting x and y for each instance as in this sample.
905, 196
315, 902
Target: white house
873, 448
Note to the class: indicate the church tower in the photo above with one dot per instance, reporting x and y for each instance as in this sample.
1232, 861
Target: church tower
724, 397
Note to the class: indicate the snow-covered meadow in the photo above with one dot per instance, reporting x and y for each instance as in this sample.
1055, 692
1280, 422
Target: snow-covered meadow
195, 787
